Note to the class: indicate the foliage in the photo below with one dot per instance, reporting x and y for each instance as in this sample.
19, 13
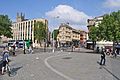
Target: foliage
108, 29
55, 32
5, 26
93, 33
40, 31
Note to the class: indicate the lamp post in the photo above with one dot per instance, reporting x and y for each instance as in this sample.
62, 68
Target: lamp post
53, 43
53, 38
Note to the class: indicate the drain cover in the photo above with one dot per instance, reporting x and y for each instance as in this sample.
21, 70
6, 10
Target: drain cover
67, 58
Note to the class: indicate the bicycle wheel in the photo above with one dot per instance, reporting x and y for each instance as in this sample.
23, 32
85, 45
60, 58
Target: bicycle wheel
8, 70
9, 73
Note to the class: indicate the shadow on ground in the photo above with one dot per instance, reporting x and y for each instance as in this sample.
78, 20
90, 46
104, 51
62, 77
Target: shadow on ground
15, 70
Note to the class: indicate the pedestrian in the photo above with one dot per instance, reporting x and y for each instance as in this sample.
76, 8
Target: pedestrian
5, 59
30, 50
115, 53
103, 60
110, 50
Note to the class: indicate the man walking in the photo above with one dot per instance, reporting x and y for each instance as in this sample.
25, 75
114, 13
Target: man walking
103, 60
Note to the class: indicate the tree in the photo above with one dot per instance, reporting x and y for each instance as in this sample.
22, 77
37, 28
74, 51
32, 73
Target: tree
109, 29
5, 26
93, 32
55, 32
40, 31
111, 22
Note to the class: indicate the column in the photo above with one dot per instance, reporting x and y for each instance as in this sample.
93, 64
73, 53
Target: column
24, 26
27, 30
22, 30
30, 29
15, 31
18, 31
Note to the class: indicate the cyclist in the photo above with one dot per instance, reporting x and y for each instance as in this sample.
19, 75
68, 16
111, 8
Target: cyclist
5, 59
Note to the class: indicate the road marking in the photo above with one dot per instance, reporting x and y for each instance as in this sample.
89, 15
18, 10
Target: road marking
54, 70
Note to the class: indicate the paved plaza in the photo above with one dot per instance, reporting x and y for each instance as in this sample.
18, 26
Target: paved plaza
62, 66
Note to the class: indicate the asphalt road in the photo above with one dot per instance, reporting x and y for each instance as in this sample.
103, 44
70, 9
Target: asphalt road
62, 66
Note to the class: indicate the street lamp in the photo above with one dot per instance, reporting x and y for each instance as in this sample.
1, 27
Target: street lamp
53, 43
54, 36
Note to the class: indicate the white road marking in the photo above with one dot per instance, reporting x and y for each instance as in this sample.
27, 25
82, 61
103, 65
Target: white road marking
54, 70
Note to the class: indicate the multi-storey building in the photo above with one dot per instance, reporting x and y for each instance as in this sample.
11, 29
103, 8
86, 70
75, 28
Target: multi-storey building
23, 29
94, 22
83, 37
68, 36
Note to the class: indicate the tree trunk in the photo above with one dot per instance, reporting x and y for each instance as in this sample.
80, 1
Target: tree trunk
44, 45
113, 47
94, 43
40, 43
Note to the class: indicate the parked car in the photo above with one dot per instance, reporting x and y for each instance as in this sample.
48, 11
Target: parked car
20, 44
11, 42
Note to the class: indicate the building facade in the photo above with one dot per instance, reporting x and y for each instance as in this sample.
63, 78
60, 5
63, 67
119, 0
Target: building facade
83, 37
68, 36
23, 29
94, 22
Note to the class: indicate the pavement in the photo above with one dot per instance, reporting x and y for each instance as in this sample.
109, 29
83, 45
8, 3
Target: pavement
62, 66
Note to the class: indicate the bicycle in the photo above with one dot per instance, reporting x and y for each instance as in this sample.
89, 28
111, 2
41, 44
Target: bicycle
8, 69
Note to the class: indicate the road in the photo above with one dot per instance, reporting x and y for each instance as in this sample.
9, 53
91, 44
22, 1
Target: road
63, 66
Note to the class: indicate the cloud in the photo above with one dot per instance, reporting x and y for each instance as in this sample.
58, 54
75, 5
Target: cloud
66, 13
112, 3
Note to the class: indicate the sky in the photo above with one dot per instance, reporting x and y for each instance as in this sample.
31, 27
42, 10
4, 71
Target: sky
74, 12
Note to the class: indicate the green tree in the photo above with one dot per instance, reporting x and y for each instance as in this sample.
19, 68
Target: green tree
93, 32
111, 24
109, 28
40, 32
5, 26
55, 32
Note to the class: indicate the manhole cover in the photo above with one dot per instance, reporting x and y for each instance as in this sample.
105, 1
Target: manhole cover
67, 58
